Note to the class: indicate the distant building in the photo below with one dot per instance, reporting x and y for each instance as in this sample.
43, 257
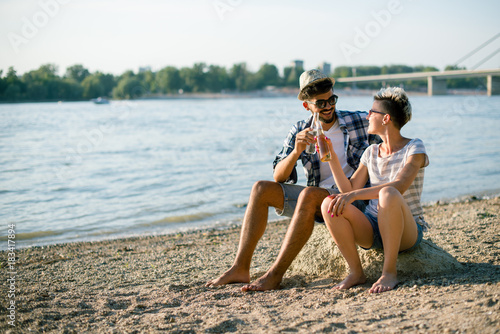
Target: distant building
326, 68
145, 69
297, 64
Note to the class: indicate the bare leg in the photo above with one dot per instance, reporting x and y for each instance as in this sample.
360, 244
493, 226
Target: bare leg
347, 230
398, 231
299, 231
264, 194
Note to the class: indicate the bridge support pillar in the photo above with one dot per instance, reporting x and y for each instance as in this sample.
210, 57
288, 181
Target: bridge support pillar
436, 86
493, 85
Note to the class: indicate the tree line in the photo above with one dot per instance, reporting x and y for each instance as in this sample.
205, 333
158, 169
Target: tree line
44, 84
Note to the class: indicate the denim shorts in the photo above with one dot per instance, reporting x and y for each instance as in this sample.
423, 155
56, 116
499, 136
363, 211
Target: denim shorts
291, 194
377, 239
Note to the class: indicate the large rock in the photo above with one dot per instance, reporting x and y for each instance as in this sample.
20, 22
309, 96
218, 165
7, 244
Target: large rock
321, 257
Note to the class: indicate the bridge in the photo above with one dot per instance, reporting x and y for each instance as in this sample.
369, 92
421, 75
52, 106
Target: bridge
436, 81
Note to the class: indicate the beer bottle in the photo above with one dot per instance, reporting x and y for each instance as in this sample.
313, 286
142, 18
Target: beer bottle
324, 150
311, 149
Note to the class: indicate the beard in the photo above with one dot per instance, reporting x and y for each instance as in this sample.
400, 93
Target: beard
330, 119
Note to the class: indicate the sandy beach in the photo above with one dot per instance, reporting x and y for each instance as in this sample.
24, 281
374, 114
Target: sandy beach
156, 284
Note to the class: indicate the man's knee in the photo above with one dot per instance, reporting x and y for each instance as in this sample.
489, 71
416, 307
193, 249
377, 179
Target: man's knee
312, 197
315, 194
267, 192
261, 187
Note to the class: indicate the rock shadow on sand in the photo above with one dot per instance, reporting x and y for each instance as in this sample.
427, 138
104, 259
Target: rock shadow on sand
321, 257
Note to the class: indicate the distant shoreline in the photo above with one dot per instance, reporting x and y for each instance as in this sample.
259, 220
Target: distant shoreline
279, 93
273, 93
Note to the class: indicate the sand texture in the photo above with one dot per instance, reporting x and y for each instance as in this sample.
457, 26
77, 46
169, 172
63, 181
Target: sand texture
156, 284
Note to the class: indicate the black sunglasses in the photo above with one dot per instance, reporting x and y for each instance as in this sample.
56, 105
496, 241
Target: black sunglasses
322, 103
376, 112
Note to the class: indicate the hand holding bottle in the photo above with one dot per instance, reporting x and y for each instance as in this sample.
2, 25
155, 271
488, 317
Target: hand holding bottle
311, 148
330, 146
304, 140
323, 149
322, 146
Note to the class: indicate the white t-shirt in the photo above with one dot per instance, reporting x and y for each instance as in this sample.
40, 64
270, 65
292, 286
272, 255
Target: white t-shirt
337, 137
385, 169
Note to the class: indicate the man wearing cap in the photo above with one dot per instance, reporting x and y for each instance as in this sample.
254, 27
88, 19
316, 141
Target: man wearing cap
347, 131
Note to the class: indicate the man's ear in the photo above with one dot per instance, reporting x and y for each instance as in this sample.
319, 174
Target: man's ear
305, 104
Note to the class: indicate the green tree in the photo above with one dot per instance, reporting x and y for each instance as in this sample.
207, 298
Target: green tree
96, 85
69, 89
168, 80
3, 84
92, 87
268, 75
13, 87
148, 80
12, 93
42, 84
186, 78
77, 73
291, 76
108, 81
128, 87
241, 79
194, 78
126, 74
216, 79
342, 72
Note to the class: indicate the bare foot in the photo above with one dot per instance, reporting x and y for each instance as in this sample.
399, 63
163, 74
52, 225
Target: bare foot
386, 282
233, 275
350, 281
266, 282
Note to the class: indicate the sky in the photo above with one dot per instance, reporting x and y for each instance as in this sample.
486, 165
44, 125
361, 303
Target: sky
116, 36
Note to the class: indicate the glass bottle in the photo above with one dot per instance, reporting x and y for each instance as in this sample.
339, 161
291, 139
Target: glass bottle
311, 148
324, 149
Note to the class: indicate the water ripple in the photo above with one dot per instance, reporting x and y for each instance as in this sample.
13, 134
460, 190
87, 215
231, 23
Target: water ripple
73, 172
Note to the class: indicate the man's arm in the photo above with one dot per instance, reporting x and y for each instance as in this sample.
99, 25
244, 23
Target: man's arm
284, 168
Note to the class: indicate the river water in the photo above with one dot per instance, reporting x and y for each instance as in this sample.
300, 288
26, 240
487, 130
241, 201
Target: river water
80, 172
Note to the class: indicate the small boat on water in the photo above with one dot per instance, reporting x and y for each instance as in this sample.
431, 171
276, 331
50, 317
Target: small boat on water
100, 100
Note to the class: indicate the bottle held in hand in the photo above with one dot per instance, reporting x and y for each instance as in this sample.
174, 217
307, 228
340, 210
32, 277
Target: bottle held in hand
324, 149
311, 149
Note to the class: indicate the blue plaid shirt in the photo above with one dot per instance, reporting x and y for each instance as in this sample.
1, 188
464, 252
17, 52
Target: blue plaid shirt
356, 140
